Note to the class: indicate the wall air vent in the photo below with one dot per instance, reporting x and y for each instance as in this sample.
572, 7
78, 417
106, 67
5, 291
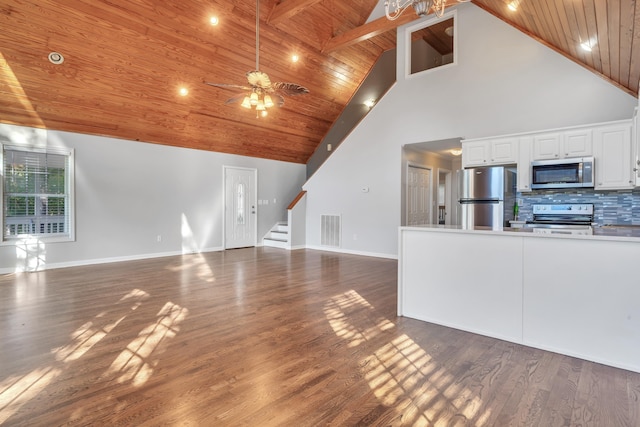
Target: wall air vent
330, 230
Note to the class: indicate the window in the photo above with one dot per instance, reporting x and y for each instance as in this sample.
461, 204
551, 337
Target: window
37, 194
240, 204
431, 45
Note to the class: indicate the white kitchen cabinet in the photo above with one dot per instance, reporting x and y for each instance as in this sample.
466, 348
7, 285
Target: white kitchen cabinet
487, 152
504, 150
635, 145
558, 145
577, 143
546, 146
614, 161
475, 153
524, 164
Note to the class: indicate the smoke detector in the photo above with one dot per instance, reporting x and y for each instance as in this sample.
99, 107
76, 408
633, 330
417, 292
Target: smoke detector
56, 58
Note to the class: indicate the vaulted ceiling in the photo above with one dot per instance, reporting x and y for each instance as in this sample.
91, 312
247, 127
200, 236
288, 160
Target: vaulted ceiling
125, 62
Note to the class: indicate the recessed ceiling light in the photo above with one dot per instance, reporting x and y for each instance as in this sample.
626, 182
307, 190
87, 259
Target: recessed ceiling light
214, 20
56, 58
586, 46
370, 102
295, 57
513, 6
456, 151
184, 91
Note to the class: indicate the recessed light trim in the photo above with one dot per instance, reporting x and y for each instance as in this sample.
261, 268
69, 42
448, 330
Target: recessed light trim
56, 58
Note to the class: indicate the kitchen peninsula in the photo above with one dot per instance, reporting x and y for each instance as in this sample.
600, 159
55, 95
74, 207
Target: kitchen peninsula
577, 295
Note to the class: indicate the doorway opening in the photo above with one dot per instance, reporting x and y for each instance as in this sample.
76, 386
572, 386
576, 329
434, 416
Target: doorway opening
442, 159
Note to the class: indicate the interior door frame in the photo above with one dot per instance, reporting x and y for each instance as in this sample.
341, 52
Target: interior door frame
447, 194
224, 203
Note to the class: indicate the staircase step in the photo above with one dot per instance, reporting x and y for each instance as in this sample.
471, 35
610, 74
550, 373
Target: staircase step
281, 228
274, 243
278, 235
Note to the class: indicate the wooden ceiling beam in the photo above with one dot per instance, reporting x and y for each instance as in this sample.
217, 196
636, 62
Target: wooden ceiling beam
366, 31
286, 9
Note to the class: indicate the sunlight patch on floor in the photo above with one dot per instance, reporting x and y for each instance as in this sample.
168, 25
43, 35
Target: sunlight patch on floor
137, 362
15, 391
89, 334
402, 374
337, 311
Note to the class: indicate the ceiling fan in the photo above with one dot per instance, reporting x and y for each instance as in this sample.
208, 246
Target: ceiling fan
261, 93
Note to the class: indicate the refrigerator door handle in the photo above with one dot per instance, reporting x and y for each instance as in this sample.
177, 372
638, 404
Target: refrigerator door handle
478, 202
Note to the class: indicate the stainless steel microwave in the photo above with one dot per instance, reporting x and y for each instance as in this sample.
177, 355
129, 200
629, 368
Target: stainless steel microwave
577, 172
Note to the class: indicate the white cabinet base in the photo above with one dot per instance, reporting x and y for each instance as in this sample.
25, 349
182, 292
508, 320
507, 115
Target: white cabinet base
575, 295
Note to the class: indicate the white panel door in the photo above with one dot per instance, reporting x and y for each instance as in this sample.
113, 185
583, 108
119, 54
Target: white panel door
240, 207
418, 196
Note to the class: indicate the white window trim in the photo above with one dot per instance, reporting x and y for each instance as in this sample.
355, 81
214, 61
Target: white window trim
20, 240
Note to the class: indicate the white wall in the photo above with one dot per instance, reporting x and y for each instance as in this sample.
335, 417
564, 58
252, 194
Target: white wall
504, 82
128, 193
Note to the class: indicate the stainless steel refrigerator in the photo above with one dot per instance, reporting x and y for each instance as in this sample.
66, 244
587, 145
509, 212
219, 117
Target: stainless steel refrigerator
487, 196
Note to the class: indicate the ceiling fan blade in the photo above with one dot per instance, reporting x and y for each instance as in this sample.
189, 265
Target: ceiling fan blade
277, 99
229, 86
289, 89
238, 98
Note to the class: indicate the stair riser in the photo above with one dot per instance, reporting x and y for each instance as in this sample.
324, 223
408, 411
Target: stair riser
274, 244
278, 236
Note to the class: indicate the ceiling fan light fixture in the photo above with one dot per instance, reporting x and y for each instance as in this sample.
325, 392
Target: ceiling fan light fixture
253, 99
394, 8
421, 7
262, 89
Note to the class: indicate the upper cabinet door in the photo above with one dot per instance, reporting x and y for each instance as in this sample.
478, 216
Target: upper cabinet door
577, 143
504, 150
613, 160
475, 153
546, 146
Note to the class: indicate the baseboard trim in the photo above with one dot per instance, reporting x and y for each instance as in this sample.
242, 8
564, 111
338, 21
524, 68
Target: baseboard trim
81, 263
352, 252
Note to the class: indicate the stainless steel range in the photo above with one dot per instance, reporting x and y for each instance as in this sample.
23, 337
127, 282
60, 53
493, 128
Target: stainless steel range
571, 218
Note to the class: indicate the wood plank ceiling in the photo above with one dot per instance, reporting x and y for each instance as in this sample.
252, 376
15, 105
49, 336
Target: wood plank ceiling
125, 62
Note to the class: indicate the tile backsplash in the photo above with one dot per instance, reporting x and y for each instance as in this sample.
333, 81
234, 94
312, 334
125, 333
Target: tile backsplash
611, 207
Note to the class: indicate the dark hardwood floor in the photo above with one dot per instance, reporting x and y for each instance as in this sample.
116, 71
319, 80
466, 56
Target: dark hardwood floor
267, 337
